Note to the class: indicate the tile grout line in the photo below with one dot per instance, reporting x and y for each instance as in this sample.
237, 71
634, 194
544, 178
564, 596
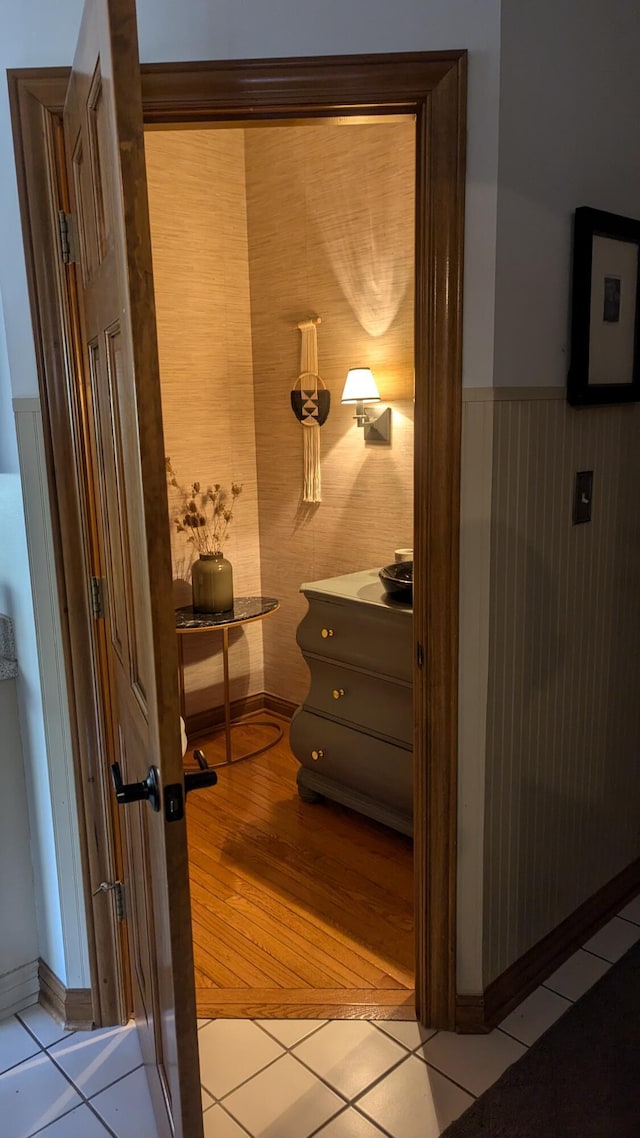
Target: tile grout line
353, 1101
503, 1031
44, 1049
107, 1129
290, 1050
629, 920
87, 1101
434, 1031
545, 984
455, 1082
600, 957
27, 1059
321, 1079
365, 1090
346, 1101
288, 1047
244, 1082
43, 1046
233, 1119
83, 1102
350, 1106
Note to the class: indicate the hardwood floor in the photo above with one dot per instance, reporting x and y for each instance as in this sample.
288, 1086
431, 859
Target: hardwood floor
299, 910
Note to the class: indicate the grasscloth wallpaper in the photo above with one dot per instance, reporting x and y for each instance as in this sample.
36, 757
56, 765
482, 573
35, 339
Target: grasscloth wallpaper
330, 223
254, 230
201, 279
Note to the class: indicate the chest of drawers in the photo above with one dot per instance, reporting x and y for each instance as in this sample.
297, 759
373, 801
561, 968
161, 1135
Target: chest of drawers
353, 734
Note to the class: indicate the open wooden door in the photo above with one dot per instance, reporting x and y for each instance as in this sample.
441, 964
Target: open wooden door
105, 155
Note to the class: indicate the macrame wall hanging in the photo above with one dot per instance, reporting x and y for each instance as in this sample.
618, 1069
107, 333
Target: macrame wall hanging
310, 402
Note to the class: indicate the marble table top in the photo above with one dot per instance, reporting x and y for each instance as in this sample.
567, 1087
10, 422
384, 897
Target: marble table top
244, 609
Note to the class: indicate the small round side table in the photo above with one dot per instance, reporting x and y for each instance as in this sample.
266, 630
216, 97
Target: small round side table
245, 611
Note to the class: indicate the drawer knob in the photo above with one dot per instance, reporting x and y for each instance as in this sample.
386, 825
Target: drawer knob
337, 693
317, 754
326, 632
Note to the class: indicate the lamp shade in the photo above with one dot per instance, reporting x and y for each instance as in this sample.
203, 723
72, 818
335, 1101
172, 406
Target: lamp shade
360, 386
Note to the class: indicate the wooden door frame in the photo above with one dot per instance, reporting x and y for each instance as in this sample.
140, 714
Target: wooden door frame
432, 86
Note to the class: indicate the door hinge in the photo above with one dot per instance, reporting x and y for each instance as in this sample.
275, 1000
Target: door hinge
67, 234
117, 888
119, 900
97, 597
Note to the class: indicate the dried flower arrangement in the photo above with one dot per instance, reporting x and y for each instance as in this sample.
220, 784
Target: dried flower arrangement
205, 515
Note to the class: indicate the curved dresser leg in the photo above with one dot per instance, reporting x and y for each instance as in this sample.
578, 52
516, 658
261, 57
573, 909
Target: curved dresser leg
308, 795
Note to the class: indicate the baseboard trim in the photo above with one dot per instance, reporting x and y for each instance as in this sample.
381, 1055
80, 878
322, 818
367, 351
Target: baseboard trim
19, 989
470, 1015
278, 705
481, 1013
72, 1007
205, 721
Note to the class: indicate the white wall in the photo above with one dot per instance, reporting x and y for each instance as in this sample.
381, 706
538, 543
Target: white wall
19, 939
50, 779
198, 29
569, 105
8, 448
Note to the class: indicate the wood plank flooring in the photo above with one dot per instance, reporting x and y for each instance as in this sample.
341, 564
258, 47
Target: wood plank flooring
299, 910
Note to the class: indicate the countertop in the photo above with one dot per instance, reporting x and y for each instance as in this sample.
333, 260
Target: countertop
364, 586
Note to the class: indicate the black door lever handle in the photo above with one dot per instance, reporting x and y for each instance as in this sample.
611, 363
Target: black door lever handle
127, 792
198, 780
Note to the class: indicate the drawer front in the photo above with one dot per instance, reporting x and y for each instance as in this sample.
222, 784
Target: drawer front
380, 770
371, 702
373, 638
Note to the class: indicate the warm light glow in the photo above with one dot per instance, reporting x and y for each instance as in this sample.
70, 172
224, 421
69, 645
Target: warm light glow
363, 214
360, 386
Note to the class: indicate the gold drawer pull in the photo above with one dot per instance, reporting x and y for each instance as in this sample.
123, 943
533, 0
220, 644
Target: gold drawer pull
326, 632
317, 754
337, 693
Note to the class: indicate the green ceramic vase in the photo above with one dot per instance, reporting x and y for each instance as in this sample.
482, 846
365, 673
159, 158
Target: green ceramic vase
212, 583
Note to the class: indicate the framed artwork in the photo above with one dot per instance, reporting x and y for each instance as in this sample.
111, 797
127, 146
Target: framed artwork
605, 320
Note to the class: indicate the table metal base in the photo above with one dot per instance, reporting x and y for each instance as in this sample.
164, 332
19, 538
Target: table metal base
229, 723
228, 728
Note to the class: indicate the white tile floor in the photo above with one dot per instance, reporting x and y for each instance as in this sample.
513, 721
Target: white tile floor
286, 1078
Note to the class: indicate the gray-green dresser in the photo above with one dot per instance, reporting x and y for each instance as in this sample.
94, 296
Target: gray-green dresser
353, 734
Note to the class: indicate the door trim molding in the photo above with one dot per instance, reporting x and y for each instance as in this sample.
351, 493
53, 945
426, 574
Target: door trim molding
432, 86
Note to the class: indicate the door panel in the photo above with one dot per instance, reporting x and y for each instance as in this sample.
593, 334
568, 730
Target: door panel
103, 136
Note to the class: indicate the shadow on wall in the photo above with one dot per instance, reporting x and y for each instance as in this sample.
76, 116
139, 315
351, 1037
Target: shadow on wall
182, 583
304, 515
206, 649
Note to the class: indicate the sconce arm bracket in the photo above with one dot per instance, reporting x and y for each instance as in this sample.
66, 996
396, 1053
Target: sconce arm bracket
378, 430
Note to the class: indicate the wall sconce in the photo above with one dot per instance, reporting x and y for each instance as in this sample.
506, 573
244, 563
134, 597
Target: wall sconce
360, 388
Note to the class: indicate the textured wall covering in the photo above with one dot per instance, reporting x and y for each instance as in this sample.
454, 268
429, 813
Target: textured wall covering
330, 222
200, 263
563, 715
325, 227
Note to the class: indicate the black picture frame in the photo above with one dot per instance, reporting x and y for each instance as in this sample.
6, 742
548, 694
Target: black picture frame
605, 309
